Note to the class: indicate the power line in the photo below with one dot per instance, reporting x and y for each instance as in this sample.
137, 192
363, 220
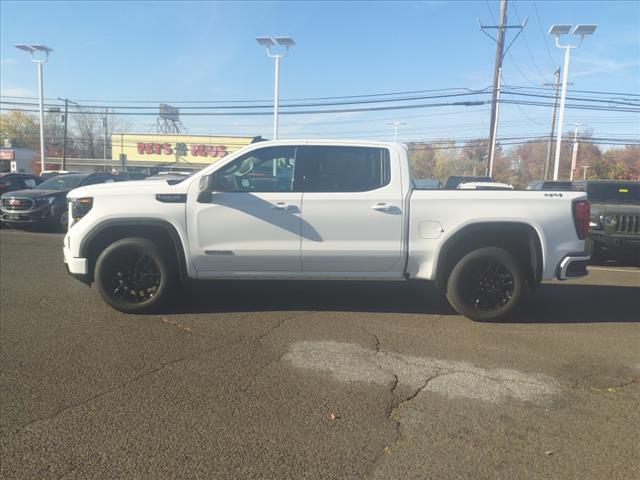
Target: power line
526, 43
545, 38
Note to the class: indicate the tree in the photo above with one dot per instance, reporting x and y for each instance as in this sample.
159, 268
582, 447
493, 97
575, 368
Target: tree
89, 133
421, 160
21, 128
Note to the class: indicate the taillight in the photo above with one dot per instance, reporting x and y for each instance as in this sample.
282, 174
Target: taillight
581, 217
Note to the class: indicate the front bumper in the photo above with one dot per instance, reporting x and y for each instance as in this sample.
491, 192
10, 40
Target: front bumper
78, 268
38, 215
573, 265
615, 241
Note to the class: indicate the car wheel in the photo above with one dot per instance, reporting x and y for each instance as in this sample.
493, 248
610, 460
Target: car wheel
63, 222
486, 284
133, 276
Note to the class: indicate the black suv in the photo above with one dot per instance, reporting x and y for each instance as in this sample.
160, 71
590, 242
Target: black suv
46, 204
615, 216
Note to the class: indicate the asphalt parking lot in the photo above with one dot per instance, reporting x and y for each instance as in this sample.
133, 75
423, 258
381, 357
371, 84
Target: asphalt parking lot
299, 380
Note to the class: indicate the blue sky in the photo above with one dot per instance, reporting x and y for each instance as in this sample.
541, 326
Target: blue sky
178, 51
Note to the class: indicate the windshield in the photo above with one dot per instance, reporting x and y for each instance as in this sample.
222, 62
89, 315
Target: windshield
62, 182
614, 192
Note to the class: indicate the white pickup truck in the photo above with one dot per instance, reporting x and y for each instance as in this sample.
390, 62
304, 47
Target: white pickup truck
318, 210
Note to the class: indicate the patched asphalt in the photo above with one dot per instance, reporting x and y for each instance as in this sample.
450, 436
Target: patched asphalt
277, 380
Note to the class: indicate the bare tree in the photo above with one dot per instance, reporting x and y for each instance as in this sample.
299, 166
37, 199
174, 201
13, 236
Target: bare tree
89, 133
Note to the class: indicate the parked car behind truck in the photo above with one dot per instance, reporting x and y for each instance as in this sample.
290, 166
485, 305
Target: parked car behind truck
320, 210
45, 206
615, 217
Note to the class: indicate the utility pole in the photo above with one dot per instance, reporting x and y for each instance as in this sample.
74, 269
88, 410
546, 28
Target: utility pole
64, 141
497, 72
574, 155
497, 69
556, 86
106, 112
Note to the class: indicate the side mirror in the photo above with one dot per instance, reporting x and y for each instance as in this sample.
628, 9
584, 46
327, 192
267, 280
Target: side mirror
208, 184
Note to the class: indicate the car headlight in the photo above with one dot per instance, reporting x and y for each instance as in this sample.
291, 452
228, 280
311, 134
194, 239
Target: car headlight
594, 222
79, 208
609, 220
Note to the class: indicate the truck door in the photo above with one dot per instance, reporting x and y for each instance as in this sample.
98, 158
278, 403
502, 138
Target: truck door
250, 222
352, 210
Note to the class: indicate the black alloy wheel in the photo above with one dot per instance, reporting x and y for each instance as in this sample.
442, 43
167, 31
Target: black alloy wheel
486, 284
132, 275
64, 221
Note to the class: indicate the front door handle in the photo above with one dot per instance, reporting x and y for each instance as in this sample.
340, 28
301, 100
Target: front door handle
281, 206
382, 207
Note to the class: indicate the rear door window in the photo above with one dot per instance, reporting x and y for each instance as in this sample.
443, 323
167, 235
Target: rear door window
341, 169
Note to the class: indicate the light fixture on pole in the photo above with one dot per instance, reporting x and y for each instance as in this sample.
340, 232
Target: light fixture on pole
33, 51
395, 130
558, 31
269, 43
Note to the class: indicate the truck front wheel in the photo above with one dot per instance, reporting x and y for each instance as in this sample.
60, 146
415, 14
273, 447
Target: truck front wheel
486, 284
133, 276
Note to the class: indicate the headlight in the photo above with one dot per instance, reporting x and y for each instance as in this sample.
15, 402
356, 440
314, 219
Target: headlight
79, 207
594, 222
609, 220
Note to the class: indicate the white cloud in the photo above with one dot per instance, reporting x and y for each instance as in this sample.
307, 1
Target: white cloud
593, 65
16, 92
7, 61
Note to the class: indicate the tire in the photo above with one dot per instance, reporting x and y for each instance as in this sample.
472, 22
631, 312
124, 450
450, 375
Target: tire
133, 276
486, 284
63, 221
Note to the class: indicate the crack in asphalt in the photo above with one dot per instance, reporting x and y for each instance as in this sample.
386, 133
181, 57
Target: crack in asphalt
153, 371
352, 363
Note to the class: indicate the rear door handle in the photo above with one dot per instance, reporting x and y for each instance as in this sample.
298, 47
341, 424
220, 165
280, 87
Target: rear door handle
382, 207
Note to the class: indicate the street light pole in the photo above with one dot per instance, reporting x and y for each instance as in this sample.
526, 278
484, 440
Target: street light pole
32, 50
269, 43
395, 130
563, 95
276, 98
558, 31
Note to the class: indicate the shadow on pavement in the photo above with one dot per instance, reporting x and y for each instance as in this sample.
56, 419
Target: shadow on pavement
350, 296
549, 303
566, 303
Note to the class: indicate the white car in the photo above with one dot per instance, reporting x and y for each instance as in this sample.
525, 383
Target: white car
319, 210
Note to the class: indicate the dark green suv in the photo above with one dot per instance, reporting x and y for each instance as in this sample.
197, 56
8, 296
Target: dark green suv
615, 217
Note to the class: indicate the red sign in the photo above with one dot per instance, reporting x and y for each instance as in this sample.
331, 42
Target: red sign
180, 149
7, 154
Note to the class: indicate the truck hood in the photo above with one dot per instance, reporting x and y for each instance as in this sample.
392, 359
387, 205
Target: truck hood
142, 187
36, 193
625, 208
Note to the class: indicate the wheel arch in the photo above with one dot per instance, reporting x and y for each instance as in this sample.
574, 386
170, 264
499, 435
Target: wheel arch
162, 232
519, 238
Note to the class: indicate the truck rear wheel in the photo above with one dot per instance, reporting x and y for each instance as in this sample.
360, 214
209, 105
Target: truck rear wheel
486, 284
133, 276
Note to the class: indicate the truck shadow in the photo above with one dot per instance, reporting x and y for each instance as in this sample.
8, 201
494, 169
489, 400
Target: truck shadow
549, 303
573, 303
